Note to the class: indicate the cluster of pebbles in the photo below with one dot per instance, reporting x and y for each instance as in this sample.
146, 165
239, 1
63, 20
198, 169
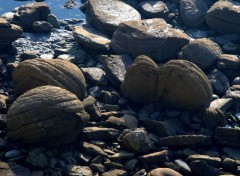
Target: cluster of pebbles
144, 88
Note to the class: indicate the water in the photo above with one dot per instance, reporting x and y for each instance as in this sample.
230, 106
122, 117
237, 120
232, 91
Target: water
56, 6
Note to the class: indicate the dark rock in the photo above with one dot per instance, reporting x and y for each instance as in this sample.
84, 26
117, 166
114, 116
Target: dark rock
227, 61
52, 19
233, 153
227, 137
29, 55
92, 149
13, 169
42, 27
91, 107
96, 75
229, 165
74, 170
213, 118
37, 159
183, 166
213, 161
99, 133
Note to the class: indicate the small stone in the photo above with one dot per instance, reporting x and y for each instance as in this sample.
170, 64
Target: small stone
99, 133
213, 118
213, 161
123, 155
13, 169
229, 165
222, 103
183, 166
91, 107
12, 154
130, 164
29, 55
115, 172
96, 75
156, 158
227, 61
92, 149
233, 153
37, 159
74, 170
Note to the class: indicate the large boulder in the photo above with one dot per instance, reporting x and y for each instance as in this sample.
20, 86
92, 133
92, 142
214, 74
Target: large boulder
56, 72
224, 17
8, 33
153, 38
27, 14
107, 15
46, 114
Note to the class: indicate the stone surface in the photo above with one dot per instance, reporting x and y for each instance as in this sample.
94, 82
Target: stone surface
42, 27
213, 161
74, 170
115, 172
52, 19
223, 17
13, 169
193, 12
99, 133
37, 159
90, 38
227, 137
157, 158
213, 118
96, 75
234, 93
152, 37
38, 72
107, 15
91, 107
231, 152
163, 172
222, 103
228, 61
202, 52
53, 107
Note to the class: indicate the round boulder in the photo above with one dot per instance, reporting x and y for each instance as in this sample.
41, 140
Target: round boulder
163, 172
56, 72
46, 114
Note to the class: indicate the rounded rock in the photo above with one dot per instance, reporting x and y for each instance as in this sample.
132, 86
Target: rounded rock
163, 172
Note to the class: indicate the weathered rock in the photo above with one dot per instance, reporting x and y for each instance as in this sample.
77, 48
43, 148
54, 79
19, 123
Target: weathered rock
13, 169
74, 170
227, 136
115, 172
46, 114
99, 133
26, 15
92, 149
193, 12
52, 19
223, 17
202, 52
91, 38
96, 75
156, 158
228, 61
185, 140
213, 161
153, 9
163, 172
213, 118
38, 72
42, 27
8, 33
107, 15
153, 38
91, 107
234, 93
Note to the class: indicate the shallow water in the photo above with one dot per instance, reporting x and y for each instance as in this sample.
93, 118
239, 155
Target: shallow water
56, 6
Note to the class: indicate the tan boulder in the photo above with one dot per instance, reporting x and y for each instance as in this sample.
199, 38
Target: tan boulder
163, 172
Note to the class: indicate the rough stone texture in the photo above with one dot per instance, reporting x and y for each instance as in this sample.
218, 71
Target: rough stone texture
46, 114
42, 27
91, 38
13, 169
227, 137
193, 12
234, 93
107, 15
228, 61
90, 105
26, 15
8, 33
224, 17
56, 72
153, 9
74, 170
163, 172
213, 118
153, 38
96, 75
202, 52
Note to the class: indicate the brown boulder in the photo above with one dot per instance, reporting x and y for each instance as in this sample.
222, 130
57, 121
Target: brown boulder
46, 114
163, 172
39, 72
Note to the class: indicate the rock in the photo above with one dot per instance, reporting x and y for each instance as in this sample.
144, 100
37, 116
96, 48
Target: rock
115, 172
3, 103
28, 55
153, 9
38, 116
152, 37
227, 137
193, 12
27, 14
96, 75
52, 19
107, 15
202, 52
91, 38
213, 118
222, 103
99, 133
234, 93
213, 161
74, 170
123, 155
115, 68
185, 140
229, 165
156, 158
163, 172
127, 121
130, 165
8, 33
137, 140
42, 27
228, 61
183, 166
223, 17
92, 149
53, 72
91, 107
37, 159
233, 153
13, 169
219, 81
12, 154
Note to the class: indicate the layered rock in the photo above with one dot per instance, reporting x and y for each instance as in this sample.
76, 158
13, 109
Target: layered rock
224, 17
107, 15
46, 114
8, 33
39, 72
153, 38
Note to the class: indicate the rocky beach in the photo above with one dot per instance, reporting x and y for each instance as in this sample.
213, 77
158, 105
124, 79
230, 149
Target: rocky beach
120, 88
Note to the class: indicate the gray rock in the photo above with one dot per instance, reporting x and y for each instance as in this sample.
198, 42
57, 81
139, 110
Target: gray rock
52, 19
12, 154
96, 75
92, 149
130, 164
213, 161
222, 103
99, 133
121, 156
227, 61
227, 137
42, 27
91, 107
229, 165
37, 159
193, 12
115, 172
157, 158
234, 93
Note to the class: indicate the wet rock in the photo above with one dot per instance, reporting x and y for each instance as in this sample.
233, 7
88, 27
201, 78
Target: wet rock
8, 33
202, 52
227, 61
52, 19
115, 172
227, 136
115, 68
234, 93
53, 107
26, 15
213, 118
99, 133
152, 37
96, 75
42, 27
163, 172
219, 81
137, 140
156, 158
90, 38
193, 12
185, 140
106, 16
213, 161
222, 103
74, 170
223, 17
54, 72
37, 158
91, 107
153, 9
13, 169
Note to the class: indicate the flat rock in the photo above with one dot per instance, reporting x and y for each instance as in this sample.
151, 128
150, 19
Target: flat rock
227, 137
74, 170
157, 158
91, 107
90, 38
92, 149
163, 172
213, 118
13, 169
152, 37
107, 15
234, 93
222, 103
228, 61
99, 133
38, 159
213, 161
